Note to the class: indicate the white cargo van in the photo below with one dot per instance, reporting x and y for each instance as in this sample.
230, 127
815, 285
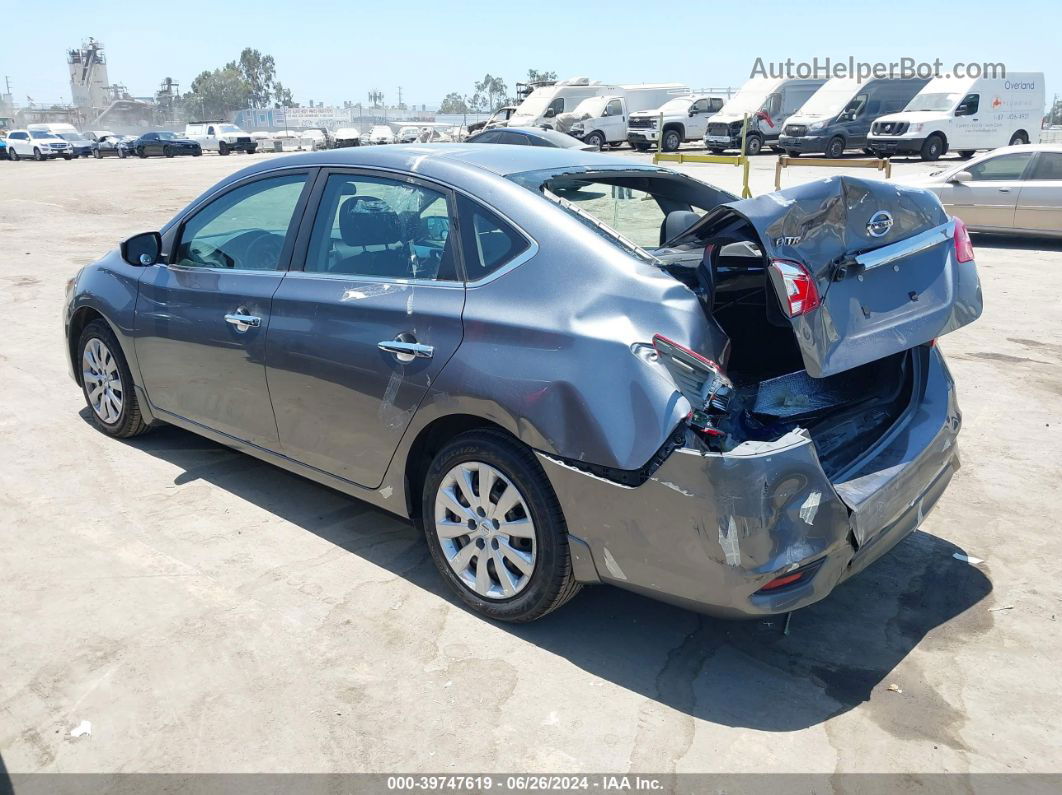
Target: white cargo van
546, 103
603, 120
964, 114
768, 102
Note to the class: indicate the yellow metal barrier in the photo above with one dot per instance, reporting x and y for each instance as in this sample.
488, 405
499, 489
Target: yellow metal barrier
784, 161
741, 160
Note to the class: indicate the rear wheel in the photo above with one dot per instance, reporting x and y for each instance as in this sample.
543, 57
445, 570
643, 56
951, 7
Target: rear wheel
1019, 138
107, 383
141, 152
495, 528
97, 154
932, 147
12, 154
167, 151
835, 148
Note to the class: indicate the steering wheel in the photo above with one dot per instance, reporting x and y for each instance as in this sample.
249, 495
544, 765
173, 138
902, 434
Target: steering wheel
263, 253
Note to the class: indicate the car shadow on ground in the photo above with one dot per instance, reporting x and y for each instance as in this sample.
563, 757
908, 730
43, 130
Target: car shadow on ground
736, 673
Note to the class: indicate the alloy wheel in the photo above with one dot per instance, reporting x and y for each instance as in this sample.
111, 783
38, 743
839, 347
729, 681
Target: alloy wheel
103, 382
485, 530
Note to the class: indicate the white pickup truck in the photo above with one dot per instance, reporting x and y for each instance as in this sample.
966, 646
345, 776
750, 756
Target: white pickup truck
602, 119
684, 119
220, 137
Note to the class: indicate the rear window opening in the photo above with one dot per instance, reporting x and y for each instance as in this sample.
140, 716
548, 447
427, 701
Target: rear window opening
773, 394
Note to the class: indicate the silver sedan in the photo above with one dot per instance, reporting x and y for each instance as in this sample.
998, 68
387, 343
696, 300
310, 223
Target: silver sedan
1011, 190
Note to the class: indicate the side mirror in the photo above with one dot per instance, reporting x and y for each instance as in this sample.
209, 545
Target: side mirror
549, 114
692, 113
675, 223
961, 176
143, 249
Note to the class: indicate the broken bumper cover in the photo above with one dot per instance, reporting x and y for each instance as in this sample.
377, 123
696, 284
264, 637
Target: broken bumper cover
709, 530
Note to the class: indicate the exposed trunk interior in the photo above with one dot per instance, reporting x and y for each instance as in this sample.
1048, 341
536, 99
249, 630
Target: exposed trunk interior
773, 393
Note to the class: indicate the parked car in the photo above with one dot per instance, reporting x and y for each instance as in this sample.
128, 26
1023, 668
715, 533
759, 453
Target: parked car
964, 115
165, 144
546, 104
111, 145
529, 136
79, 144
221, 137
767, 103
408, 134
347, 136
596, 385
95, 135
603, 120
38, 144
1011, 190
684, 119
381, 134
839, 115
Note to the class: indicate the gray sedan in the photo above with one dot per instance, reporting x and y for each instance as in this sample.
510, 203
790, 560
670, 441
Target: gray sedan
566, 368
1012, 190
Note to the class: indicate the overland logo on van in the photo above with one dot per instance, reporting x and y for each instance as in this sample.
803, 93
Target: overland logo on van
996, 102
879, 224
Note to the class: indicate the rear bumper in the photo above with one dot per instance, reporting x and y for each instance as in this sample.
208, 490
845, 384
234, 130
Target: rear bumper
895, 146
708, 531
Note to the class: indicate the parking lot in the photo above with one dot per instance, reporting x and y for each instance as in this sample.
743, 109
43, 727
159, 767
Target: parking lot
205, 611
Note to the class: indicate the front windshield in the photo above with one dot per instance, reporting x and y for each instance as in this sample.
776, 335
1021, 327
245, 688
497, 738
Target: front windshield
828, 101
747, 101
592, 106
536, 104
677, 105
229, 128
39, 134
937, 102
167, 136
72, 137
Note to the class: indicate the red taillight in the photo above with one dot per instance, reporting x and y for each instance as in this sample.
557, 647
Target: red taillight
800, 291
778, 582
963, 246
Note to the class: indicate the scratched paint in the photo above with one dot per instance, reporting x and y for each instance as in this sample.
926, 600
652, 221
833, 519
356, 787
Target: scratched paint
613, 567
728, 540
811, 507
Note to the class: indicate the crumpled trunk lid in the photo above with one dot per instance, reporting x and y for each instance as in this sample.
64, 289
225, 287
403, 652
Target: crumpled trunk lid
882, 257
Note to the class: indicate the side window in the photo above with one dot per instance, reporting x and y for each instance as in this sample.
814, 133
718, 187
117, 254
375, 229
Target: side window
557, 106
700, 106
855, 108
773, 104
513, 138
245, 229
488, 242
968, 106
614, 108
635, 214
210, 130
383, 228
1048, 166
1004, 167
715, 104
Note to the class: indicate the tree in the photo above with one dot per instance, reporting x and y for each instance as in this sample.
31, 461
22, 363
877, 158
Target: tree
535, 76
493, 90
282, 96
453, 103
215, 94
259, 72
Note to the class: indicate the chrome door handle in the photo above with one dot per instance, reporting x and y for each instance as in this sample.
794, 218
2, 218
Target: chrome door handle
1004, 190
243, 322
406, 351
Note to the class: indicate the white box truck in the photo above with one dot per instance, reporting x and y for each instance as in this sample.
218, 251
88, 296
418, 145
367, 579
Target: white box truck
964, 115
545, 104
603, 120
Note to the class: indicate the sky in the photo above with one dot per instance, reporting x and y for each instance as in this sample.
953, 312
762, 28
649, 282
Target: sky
433, 48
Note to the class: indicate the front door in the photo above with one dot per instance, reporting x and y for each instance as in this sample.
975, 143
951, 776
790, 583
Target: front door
360, 333
989, 198
202, 317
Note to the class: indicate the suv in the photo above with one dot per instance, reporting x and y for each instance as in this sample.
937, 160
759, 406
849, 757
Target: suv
220, 137
685, 119
38, 144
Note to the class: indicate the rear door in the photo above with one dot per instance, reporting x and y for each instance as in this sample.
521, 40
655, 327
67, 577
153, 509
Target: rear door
202, 317
1039, 207
989, 198
365, 320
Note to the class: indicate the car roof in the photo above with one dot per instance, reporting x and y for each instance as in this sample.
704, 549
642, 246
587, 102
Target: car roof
1048, 147
497, 159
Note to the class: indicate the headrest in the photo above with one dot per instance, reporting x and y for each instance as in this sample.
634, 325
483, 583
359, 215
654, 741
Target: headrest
368, 221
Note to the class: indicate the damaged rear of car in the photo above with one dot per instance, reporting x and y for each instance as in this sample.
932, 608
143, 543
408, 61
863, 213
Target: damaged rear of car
820, 418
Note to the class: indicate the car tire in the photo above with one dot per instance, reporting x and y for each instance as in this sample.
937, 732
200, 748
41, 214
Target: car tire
869, 152
122, 154
543, 579
254, 149
932, 148
38, 155
197, 152
167, 151
12, 155
640, 147
753, 145
141, 153
1018, 139
97, 154
835, 148
595, 139
966, 154
670, 140
223, 148
114, 409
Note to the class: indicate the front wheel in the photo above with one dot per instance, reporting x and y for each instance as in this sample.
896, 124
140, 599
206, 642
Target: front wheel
595, 139
1019, 138
495, 528
107, 383
12, 155
223, 148
835, 148
753, 145
38, 155
933, 148
97, 154
670, 141
141, 152
167, 151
